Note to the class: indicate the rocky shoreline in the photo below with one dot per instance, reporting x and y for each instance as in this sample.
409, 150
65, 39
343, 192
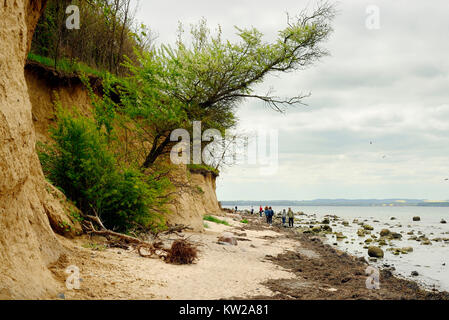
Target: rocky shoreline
325, 272
240, 257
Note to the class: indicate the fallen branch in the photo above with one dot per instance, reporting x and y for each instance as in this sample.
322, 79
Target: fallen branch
181, 252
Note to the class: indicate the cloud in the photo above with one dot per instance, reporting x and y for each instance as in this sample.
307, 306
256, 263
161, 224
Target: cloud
386, 86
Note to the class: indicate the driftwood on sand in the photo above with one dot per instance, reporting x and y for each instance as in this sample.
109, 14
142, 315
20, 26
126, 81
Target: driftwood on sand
180, 252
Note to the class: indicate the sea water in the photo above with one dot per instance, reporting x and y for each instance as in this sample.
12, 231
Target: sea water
430, 261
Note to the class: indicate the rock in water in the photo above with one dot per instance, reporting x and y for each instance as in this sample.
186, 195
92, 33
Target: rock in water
340, 235
375, 252
443, 221
367, 227
396, 235
416, 218
415, 273
384, 232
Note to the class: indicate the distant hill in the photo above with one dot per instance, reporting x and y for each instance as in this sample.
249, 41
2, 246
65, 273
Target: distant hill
341, 202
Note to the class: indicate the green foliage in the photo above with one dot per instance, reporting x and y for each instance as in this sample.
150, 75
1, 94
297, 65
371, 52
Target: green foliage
215, 220
243, 221
80, 163
203, 168
76, 216
94, 246
108, 31
104, 107
71, 68
171, 86
66, 226
199, 190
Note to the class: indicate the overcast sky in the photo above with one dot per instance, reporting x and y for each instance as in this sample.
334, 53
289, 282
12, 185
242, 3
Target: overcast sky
388, 86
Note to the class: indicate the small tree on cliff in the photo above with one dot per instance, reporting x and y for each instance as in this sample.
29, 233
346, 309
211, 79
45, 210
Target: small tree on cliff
170, 87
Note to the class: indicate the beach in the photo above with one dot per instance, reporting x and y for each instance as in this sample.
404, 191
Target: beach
268, 262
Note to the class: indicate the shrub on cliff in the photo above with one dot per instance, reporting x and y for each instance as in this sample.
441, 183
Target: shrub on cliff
80, 163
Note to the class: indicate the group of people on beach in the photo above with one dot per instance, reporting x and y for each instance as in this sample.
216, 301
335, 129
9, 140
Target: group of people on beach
269, 213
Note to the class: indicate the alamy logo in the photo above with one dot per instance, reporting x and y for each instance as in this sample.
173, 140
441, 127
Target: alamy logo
73, 21
73, 280
372, 21
372, 282
259, 148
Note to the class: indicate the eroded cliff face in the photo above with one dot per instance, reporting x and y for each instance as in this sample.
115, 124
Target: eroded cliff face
27, 242
194, 201
196, 195
29, 206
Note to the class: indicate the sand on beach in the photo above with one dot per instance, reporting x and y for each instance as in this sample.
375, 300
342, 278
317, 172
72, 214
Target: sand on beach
222, 271
269, 262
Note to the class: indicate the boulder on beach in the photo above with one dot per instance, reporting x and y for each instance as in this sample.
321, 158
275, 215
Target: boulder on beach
385, 233
367, 227
416, 218
375, 252
227, 239
325, 221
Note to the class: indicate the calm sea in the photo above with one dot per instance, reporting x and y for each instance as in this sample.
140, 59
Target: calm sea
430, 261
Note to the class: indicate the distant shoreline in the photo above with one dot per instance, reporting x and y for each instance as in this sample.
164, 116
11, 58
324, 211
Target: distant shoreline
341, 203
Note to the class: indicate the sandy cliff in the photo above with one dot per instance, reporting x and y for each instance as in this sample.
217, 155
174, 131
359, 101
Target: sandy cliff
29, 206
196, 200
27, 242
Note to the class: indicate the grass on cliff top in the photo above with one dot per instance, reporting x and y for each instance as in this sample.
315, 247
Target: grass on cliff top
216, 220
65, 66
203, 168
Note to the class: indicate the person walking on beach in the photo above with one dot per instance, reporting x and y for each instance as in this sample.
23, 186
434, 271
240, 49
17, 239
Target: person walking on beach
252, 210
270, 215
235, 209
290, 217
260, 211
284, 216
267, 214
